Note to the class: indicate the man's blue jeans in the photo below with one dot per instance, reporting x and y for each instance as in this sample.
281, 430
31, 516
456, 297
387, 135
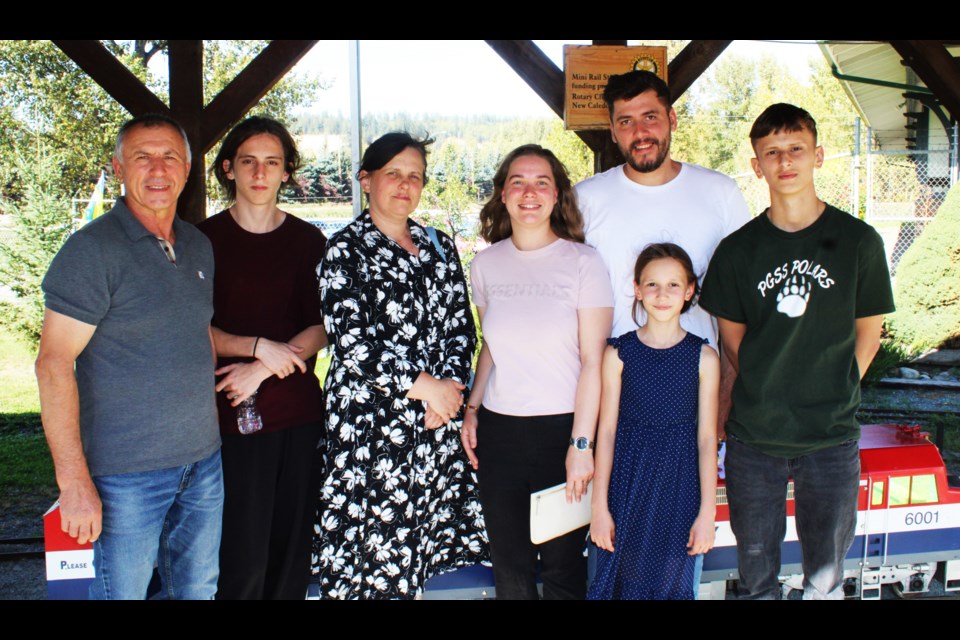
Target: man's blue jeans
826, 484
171, 516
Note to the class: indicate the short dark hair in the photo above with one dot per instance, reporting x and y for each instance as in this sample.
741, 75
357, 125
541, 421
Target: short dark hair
665, 250
386, 147
565, 219
149, 120
626, 86
253, 126
782, 117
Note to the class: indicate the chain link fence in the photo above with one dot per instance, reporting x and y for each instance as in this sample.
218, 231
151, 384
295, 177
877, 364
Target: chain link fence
904, 191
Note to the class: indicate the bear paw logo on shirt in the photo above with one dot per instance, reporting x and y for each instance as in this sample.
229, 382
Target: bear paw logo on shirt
792, 299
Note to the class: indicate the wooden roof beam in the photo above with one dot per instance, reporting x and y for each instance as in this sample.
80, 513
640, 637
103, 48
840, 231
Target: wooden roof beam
203, 125
546, 79
535, 68
543, 76
690, 63
938, 69
111, 74
251, 84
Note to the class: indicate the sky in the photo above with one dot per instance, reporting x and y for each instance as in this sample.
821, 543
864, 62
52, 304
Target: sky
465, 76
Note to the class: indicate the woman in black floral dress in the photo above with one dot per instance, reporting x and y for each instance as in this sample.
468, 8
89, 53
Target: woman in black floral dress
398, 503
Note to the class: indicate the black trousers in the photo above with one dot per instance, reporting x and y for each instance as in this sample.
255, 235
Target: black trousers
520, 455
270, 483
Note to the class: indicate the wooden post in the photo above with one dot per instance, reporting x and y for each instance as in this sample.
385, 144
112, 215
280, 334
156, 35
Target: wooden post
186, 106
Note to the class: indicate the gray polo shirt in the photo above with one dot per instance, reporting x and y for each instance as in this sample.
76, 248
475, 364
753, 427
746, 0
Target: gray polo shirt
146, 377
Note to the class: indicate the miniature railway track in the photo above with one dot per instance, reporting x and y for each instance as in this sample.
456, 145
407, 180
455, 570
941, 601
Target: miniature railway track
32, 552
919, 417
903, 416
915, 415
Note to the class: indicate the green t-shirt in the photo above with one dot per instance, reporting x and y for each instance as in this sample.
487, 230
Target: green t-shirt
799, 294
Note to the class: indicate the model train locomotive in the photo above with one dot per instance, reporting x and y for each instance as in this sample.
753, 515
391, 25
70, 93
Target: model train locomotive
908, 523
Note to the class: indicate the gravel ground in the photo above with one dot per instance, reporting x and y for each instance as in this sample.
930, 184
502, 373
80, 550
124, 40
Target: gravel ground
22, 517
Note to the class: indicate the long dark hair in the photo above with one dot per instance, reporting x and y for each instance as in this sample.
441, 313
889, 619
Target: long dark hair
565, 219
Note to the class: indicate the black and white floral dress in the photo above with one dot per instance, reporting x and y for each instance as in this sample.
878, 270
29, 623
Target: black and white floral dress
398, 503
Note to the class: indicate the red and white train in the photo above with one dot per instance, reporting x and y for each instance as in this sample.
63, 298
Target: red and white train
907, 527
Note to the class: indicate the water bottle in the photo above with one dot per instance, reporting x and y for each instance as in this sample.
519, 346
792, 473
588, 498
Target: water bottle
248, 417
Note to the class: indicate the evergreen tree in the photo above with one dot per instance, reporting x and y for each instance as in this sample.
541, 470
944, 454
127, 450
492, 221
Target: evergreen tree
928, 301
42, 221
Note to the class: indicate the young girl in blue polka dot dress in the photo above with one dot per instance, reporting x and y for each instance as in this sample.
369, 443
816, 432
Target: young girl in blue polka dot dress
656, 462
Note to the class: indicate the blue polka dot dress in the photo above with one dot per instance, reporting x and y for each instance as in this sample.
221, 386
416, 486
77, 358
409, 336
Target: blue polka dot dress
654, 494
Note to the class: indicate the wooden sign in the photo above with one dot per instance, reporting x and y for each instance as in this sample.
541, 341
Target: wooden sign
586, 69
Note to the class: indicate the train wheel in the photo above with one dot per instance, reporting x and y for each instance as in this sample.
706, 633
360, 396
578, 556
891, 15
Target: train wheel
918, 584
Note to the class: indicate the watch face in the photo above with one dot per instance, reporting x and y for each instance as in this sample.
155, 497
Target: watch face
581, 443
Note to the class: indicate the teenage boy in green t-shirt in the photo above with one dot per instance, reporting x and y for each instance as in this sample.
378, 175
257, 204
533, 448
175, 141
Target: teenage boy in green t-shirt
799, 293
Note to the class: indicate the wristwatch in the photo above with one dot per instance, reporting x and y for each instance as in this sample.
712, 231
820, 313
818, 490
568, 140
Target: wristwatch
581, 443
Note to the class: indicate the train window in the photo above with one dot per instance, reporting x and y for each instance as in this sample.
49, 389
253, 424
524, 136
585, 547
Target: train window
877, 498
721, 495
899, 491
924, 489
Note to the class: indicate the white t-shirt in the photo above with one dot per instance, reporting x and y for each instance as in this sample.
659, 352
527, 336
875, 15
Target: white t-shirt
695, 210
530, 324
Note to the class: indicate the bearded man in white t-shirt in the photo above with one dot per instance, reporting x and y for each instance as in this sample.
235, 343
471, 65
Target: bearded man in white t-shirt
654, 198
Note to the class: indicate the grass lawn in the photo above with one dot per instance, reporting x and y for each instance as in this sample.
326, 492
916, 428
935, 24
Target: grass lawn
951, 431
24, 456
323, 363
18, 393
318, 211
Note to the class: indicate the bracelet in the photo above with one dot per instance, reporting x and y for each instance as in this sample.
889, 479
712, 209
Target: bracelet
473, 407
255, 343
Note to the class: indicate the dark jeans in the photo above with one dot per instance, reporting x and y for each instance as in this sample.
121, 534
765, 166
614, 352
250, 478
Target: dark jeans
520, 455
825, 483
271, 482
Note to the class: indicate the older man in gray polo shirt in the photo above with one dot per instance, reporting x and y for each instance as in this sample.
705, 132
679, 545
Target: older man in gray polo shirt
125, 371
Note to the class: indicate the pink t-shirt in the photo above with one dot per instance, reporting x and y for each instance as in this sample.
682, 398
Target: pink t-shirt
530, 322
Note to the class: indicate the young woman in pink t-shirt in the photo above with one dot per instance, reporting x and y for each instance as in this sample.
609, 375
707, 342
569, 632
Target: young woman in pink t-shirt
546, 308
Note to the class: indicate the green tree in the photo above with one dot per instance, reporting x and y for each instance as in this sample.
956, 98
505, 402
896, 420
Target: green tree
830, 105
46, 98
327, 176
928, 301
450, 208
45, 94
573, 152
716, 115
57, 131
42, 221
449, 201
